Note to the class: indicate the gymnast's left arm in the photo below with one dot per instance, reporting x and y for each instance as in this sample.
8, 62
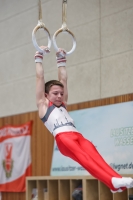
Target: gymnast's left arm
62, 73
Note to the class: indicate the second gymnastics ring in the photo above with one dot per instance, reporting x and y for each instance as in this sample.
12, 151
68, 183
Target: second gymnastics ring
67, 31
39, 26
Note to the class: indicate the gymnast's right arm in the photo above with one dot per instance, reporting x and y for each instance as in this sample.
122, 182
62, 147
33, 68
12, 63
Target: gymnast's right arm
41, 100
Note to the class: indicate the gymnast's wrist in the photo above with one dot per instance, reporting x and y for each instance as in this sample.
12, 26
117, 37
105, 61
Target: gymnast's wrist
61, 64
61, 58
38, 57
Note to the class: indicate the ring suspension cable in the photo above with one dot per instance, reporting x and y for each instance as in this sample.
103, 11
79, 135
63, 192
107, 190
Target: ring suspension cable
40, 25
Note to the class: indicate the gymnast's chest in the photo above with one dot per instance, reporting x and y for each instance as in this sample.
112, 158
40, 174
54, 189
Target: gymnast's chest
59, 114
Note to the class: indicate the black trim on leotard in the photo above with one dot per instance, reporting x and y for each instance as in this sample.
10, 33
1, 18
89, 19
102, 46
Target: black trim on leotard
49, 110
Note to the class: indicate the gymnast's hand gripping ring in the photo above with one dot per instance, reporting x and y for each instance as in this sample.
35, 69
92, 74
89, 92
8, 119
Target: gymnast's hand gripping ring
64, 29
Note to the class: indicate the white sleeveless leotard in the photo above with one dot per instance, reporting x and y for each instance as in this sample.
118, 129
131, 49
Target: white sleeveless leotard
57, 120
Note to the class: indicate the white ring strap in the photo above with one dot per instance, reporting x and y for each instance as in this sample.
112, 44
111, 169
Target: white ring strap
73, 38
40, 26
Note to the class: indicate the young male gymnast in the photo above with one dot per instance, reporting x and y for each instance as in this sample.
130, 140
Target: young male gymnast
51, 98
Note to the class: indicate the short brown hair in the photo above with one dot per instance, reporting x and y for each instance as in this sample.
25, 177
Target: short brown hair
49, 84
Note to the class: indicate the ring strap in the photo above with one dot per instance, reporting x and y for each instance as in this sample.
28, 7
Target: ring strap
40, 25
64, 29
64, 14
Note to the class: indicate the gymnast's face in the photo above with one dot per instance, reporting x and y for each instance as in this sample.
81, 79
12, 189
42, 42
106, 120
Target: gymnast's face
56, 95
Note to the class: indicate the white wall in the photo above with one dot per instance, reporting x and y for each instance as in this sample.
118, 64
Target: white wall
101, 66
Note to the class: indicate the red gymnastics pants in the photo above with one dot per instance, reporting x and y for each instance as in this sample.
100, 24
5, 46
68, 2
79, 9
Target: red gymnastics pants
75, 146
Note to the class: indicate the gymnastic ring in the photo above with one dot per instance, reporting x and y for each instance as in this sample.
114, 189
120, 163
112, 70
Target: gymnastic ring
39, 26
72, 35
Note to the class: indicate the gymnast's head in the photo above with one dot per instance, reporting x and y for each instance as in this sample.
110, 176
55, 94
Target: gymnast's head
54, 92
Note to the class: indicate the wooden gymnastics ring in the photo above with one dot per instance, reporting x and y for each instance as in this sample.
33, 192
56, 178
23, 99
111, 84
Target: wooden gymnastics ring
41, 25
65, 31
